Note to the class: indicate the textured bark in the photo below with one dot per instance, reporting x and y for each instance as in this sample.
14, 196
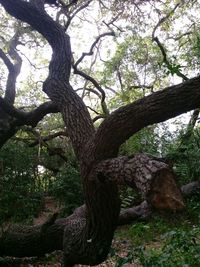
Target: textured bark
11, 118
6, 131
157, 107
37, 240
153, 179
13, 68
142, 211
87, 238
190, 188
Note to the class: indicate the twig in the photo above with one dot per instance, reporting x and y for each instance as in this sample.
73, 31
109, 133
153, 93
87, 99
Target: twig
75, 13
48, 138
163, 19
90, 53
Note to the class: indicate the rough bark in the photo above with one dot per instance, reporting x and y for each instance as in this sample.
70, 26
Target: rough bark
27, 241
34, 240
38, 240
11, 118
157, 107
153, 178
87, 238
188, 189
13, 71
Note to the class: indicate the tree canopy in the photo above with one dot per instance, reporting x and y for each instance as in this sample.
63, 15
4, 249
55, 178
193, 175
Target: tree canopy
78, 79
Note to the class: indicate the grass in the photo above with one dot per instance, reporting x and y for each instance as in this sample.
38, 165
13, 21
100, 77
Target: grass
167, 240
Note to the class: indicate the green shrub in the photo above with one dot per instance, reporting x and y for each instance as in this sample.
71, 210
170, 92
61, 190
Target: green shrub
67, 189
181, 249
19, 197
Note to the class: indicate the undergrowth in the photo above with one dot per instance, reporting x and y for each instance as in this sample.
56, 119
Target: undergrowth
170, 240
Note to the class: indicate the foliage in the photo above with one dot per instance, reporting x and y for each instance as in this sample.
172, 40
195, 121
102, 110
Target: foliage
182, 248
145, 141
131, 66
19, 197
67, 189
25, 179
184, 153
163, 241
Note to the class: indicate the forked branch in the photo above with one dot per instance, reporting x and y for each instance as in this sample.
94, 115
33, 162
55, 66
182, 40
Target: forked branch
157, 107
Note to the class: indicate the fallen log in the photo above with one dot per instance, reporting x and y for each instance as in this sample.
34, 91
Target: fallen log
189, 189
30, 241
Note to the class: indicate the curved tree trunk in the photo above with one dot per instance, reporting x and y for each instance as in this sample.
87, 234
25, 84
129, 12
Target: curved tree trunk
87, 238
38, 240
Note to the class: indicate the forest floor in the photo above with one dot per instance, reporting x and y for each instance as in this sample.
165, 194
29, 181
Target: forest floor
167, 240
54, 259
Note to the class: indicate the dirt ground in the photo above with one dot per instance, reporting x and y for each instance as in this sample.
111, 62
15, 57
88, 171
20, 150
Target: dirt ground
55, 259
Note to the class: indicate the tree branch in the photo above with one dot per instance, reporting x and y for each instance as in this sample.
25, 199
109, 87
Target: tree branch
163, 19
57, 85
36, 115
28, 241
13, 68
28, 118
6, 61
97, 85
166, 61
127, 120
44, 24
145, 173
47, 138
70, 17
11, 110
88, 77
91, 51
195, 114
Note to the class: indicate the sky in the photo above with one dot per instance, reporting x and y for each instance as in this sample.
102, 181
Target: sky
83, 32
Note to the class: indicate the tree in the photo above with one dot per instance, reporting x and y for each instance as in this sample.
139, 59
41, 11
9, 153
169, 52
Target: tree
89, 231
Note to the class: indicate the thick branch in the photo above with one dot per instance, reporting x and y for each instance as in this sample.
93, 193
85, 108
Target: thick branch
36, 115
129, 215
28, 118
157, 107
13, 68
29, 241
47, 138
11, 110
75, 114
38, 240
152, 177
45, 25
6, 61
189, 189
12, 118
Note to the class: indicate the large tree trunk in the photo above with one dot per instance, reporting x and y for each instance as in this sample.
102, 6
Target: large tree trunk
87, 238
38, 240
23, 241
